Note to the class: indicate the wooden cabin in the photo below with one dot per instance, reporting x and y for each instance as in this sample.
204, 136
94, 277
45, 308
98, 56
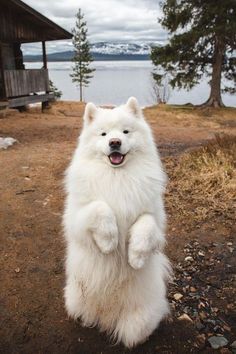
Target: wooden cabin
19, 23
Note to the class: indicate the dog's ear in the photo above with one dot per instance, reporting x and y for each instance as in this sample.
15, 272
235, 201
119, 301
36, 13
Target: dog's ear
90, 112
133, 106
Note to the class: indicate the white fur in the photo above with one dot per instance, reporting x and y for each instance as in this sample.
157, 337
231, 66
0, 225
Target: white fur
114, 224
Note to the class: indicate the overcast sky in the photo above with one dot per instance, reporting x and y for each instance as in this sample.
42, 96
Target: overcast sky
107, 20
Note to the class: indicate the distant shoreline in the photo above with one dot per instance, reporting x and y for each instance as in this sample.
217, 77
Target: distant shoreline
62, 60
68, 56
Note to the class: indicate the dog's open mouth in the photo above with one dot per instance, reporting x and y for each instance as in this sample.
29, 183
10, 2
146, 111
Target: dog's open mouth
116, 158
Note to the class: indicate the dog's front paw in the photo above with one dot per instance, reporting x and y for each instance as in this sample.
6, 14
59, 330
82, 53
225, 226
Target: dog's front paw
105, 234
107, 239
137, 258
145, 239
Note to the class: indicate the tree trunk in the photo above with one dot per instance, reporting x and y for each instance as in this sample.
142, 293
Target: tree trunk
215, 99
81, 91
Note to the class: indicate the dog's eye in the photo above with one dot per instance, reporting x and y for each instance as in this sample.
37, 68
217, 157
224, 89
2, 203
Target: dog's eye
103, 134
125, 131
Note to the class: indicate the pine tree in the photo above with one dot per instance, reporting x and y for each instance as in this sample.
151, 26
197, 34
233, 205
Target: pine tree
202, 42
82, 58
52, 88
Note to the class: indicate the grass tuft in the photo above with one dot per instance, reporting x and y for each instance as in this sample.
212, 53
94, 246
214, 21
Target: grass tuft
205, 179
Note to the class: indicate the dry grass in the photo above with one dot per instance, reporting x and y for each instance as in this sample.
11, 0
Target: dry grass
205, 180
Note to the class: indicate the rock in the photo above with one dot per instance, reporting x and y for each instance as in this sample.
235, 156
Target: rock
233, 345
226, 328
199, 325
217, 342
202, 315
17, 270
229, 244
6, 142
192, 289
225, 351
189, 259
185, 317
201, 254
186, 309
177, 296
200, 340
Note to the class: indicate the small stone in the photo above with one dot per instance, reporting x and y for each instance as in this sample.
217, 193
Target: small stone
233, 345
177, 296
192, 289
217, 342
188, 259
186, 309
199, 325
225, 351
200, 340
17, 270
202, 315
215, 309
230, 306
229, 244
201, 254
226, 328
201, 304
185, 317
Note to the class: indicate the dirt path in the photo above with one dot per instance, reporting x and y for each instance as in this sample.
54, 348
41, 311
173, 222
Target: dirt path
33, 319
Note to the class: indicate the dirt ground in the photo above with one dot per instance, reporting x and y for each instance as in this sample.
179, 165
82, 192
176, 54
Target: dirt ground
32, 315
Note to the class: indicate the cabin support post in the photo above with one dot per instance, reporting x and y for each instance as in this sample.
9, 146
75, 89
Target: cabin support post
45, 66
44, 55
2, 88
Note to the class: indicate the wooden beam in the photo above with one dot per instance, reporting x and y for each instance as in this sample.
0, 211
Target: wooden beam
23, 101
3, 104
44, 55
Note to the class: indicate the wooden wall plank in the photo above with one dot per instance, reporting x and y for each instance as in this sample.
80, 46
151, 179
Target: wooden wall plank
25, 82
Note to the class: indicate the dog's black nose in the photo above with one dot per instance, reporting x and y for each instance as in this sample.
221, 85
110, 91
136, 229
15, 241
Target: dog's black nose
115, 143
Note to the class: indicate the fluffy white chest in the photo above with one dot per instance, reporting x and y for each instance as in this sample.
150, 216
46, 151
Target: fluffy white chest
128, 195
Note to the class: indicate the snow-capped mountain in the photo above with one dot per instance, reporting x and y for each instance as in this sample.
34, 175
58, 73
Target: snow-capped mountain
121, 48
103, 51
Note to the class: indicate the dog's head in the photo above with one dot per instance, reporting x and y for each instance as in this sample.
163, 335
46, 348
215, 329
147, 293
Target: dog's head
115, 135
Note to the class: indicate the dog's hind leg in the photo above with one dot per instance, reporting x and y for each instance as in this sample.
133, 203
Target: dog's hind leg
134, 327
73, 298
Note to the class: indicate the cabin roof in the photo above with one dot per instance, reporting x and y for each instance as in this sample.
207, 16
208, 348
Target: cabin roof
21, 23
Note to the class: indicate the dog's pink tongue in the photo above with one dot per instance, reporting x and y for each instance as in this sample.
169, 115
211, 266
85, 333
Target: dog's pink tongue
116, 158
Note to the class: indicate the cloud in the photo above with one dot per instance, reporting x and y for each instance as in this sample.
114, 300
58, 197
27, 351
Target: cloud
107, 20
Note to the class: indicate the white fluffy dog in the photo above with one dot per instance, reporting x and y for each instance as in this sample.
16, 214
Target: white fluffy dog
114, 225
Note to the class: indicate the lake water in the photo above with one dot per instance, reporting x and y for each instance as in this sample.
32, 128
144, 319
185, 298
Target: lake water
115, 81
